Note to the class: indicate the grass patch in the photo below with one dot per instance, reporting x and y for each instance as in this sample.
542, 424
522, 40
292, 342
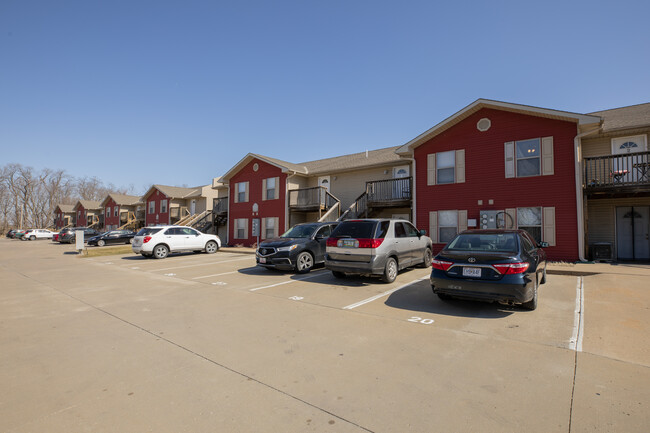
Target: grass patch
106, 251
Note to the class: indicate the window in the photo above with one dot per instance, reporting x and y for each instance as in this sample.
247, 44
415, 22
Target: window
241, 192
445, 163
447, 225
270, 188
163, 206
116, 211
108, 212
269, 231
527, 153
530, 219
628, 144
152, 208
241, 228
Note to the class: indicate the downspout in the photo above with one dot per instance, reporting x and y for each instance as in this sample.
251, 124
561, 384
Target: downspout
413, 193
577, 154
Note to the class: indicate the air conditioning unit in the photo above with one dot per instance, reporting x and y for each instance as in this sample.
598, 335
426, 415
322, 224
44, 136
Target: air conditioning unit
601, 251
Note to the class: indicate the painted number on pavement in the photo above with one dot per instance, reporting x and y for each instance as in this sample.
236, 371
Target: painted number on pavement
416, 319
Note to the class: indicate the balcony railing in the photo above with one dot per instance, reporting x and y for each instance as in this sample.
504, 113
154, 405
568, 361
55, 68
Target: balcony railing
220, 206
317, 198
390, 192
617, 172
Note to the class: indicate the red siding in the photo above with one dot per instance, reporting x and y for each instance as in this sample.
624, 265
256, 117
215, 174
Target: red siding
485, 174
157, 217
80, 214
111, 220
267, 208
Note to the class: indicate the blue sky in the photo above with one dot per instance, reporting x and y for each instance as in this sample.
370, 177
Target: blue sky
177, 92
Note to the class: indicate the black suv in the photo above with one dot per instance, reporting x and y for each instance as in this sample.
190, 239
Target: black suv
68, 236
299, 249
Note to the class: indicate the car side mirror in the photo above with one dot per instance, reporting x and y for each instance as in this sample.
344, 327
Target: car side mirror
543, 244
423, 232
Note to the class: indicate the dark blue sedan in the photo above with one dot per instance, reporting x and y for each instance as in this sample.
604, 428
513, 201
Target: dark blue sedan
505, 266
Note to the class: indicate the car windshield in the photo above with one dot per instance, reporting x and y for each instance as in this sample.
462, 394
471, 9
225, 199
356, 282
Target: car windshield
300, 231
355, 229
148, 231
495, 242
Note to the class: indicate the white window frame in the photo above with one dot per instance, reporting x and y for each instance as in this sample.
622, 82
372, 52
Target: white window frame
163, 206
440, 226
458, 166
270, 223
618, 141
151, 207
446, 167
241, 224
116, 211
108, 212
266, 189
238, 187
538, 157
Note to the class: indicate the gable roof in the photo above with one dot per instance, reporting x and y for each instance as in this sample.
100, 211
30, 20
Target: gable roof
122, 199
65, 208
88, 205
581, 119
175, 191
633, 116
353, 161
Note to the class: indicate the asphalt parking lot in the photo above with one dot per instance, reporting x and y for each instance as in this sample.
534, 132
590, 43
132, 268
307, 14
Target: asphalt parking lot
212, 343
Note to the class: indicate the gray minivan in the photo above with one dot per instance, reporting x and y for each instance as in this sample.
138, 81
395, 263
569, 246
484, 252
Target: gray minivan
378, 247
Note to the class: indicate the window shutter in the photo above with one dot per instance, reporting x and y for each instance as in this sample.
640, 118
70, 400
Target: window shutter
277, 188
433, 226
276, 226
510, 159
462, 220
246, 192
547, 156
263, 229
236, 193
431, 169
263, 189
548, 220
511, 223
460, 166
245, 228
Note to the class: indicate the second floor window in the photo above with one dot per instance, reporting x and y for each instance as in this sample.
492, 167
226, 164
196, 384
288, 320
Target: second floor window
152, 208
270, 188
241, 192
108, 212
445, 164
163, 206
528, 156
116, 211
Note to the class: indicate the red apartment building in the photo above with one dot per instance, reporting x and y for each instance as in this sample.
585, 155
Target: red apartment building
64, 216
496, 164
119, 209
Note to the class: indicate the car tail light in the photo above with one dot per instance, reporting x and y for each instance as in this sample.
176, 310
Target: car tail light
331, 242
146, 239
511, 268
441, 264
370, 243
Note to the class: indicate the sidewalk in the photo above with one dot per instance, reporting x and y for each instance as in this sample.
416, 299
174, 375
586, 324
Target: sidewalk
584, 269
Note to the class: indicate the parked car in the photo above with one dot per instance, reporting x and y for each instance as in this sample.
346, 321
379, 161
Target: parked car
11, 233
506, 266
113, 237
376, 247
62, 233
299, 249
37, 234
70, 234
18, 234
159, 241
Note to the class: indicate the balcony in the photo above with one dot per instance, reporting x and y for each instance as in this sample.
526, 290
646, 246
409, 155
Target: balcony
311, 199
390, 193
220, 206
613, 175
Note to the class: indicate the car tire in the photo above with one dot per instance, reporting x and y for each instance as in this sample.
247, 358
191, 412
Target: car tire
160, 251
338, 274
532, 304
101, 243
443, 296
390, 271
211, 247
130, 241
427, 258
304, 262
543, 280
32, 238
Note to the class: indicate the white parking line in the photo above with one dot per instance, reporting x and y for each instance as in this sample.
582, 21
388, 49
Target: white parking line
215, 275
579, 318
381, 295
200, 264
313, 275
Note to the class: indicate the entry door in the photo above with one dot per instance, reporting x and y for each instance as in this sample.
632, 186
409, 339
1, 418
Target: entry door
323, 181
632, 232
193, 207
401, 188
624, 167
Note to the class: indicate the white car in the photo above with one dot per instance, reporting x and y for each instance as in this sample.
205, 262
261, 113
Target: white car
159, 241
34, 234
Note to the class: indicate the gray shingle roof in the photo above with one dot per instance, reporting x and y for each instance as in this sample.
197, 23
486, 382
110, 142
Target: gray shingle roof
89, 204
179, 192
634, 116
66, 207
125, 200
354, 161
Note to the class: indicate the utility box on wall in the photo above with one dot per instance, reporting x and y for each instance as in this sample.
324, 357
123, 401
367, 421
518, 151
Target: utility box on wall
491, 219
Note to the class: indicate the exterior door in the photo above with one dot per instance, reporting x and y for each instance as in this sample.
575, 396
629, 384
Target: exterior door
323, 181
624, 167
193, 207
632, 232
401, 188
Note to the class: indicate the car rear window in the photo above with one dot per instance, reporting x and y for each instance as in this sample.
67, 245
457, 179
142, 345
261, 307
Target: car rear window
148, 231
355, 229
497, 242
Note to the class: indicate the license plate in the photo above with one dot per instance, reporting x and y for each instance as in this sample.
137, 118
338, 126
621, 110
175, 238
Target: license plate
348, 243
262, 260
472, 272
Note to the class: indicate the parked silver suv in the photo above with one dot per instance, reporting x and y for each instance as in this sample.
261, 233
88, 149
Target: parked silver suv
376, 247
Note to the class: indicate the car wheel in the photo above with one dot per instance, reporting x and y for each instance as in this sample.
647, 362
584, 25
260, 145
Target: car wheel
390, 271
211, 247
532, 304
304, 262
427, 258
160, 251
338, 274
443, 296
31, 238
130, 241
543, 280
101, 243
